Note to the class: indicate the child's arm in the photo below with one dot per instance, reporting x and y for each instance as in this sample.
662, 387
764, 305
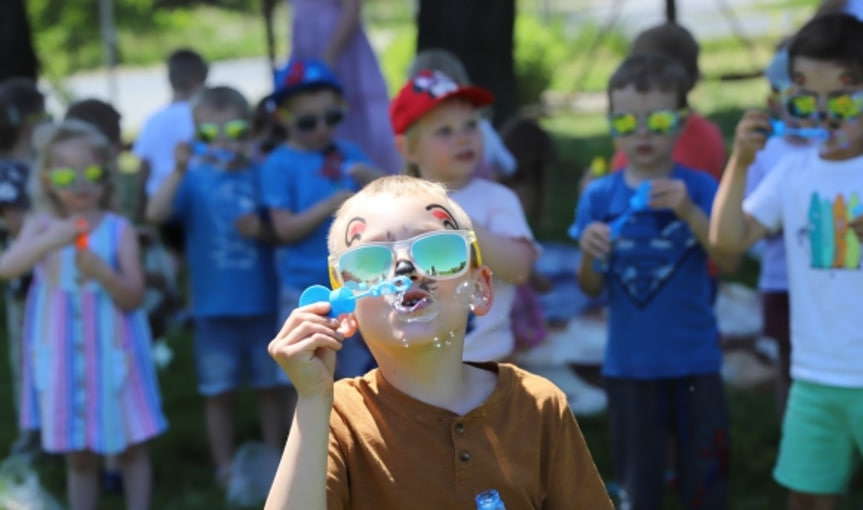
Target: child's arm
292, 227
595, 244
672, 194
125, 285
731, 230
306, 349
161, 204
344, 32
510, 259
35, 243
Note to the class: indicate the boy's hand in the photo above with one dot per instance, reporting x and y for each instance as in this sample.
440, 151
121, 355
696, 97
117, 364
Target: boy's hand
750, 136
90, 265
363, 173
670, 194
249, 225
596, 240
182, 155
306, 347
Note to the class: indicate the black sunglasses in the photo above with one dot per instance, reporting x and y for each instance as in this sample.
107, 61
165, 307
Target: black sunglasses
309, 122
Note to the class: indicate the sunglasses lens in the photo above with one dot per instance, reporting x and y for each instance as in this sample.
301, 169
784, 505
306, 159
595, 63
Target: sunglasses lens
845, 106
306, 122
63, 177
334, 117
94, 173
366, 264
441, 255
236, 129
623, 124
802, 106
208, 132
662, 122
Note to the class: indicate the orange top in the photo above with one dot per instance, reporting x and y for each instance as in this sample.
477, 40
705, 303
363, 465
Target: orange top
82, 241
388, 450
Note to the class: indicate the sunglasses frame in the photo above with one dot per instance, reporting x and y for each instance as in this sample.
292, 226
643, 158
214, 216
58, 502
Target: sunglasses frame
331, 118
641, 119
222, 130
80, 176
469, 237
822, 104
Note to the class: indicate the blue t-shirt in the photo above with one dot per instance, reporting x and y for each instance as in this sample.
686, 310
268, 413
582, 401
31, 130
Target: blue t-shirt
661, 319
230, 275
293, 180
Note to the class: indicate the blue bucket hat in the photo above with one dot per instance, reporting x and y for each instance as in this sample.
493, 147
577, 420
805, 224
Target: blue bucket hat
301, 74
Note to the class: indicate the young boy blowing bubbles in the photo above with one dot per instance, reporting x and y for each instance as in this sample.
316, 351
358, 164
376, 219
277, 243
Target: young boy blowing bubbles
811, 195
424, 430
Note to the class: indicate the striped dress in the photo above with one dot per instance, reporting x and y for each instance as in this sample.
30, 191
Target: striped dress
89, 361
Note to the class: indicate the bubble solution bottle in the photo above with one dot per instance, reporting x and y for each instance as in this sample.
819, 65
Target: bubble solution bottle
489, 500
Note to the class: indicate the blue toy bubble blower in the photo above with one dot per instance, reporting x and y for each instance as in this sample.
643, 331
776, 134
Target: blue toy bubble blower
638, 202
344, 299
779, 128
220, 155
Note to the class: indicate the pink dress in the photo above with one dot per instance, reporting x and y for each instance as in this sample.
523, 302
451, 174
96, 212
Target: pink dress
367, 123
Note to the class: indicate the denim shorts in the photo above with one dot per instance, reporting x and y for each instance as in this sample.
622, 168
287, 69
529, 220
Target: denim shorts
231, 350
822, 438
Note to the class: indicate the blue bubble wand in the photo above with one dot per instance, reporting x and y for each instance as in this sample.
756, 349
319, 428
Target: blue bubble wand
344, 299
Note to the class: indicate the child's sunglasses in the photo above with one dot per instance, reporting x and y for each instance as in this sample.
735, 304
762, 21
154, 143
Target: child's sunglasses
659, 122
309, 122
67, 177
839, 106
208, 132
440, 255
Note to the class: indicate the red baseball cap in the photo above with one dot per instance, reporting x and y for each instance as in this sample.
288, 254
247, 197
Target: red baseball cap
426, 90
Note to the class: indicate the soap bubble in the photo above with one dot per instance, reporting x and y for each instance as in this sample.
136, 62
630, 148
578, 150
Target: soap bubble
469, 295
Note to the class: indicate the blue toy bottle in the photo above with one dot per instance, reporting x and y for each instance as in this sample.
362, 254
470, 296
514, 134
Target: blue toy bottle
489, 500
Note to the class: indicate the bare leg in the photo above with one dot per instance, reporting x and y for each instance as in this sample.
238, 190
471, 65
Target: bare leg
271, 415
801, 501
137, 476
220, 431
82, 480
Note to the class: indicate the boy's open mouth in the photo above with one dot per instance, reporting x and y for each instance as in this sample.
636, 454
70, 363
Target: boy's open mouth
413, 299
416, 304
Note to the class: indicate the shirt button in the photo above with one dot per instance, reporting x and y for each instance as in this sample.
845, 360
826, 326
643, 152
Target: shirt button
459, 428
464, 455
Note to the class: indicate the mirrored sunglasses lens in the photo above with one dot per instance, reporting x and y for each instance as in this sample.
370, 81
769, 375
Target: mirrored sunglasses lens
94, 173
237, 129
366, 265
623, 124
802, 106
845, 106
441, 255
63, 177
662, 122
208, 132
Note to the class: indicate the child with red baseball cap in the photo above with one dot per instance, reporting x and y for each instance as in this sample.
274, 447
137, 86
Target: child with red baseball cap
436, 122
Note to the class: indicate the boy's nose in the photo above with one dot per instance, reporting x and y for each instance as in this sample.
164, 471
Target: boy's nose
405, 267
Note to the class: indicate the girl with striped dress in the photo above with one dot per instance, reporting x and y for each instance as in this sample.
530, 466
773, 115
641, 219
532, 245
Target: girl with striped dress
87, 341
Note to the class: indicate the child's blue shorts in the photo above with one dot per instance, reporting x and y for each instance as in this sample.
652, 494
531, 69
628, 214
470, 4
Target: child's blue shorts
232, 350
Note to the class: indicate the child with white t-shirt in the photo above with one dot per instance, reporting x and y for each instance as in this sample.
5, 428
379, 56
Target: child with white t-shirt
436, 121
814, 197
171, 125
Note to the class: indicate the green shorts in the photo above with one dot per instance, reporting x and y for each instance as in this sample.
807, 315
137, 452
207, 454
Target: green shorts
822, 438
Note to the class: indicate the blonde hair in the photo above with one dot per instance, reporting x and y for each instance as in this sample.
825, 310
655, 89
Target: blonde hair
440, 60
396, 186
45, 139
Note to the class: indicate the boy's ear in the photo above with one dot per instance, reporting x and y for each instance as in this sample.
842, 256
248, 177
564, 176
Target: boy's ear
402, 146
484, 295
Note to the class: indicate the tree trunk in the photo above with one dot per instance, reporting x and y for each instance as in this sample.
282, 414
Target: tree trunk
17, 57
480, 33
